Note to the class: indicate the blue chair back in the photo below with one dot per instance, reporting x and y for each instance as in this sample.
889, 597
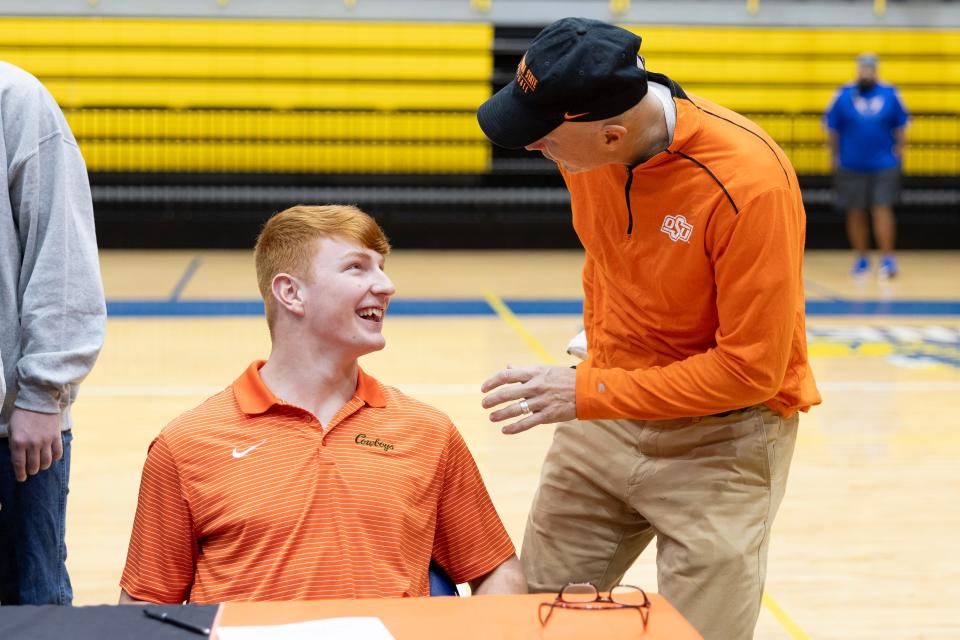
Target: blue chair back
440, 583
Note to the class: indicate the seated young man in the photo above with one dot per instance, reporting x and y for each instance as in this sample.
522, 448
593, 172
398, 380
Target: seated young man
307, 478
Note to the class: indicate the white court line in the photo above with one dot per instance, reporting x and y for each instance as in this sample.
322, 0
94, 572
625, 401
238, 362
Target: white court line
884, 387
181, 391
474, 389
141, 392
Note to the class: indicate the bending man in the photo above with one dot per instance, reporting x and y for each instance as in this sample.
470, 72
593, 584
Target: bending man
681, 422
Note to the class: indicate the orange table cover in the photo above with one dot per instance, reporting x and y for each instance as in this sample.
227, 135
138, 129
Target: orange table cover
488, 617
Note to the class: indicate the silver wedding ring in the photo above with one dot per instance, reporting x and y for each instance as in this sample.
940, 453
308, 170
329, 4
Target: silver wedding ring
524, 407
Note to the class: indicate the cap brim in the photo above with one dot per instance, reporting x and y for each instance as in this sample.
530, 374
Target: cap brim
508, 123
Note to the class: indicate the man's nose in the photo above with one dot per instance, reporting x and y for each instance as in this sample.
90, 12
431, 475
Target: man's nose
535, 146
384, 285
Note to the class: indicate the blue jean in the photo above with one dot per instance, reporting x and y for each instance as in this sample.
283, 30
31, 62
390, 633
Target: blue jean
33, 551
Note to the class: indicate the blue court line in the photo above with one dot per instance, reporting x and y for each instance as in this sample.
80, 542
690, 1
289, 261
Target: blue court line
480, 307
193, 308
184, 308
557, 307
185, 278
813, 307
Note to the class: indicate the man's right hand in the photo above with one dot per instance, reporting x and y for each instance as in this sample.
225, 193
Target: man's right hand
35, 442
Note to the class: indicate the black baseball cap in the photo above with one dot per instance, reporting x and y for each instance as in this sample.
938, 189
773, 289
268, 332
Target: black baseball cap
576, 69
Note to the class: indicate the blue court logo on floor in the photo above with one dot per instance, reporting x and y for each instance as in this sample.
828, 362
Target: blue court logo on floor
914, 347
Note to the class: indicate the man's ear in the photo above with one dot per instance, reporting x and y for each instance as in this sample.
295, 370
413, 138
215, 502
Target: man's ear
614, 136
288, 293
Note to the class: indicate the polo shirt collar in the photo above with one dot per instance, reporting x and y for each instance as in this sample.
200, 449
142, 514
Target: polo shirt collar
368, 390
254, 397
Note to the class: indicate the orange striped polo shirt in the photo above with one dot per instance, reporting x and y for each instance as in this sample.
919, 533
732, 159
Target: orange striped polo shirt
247, 497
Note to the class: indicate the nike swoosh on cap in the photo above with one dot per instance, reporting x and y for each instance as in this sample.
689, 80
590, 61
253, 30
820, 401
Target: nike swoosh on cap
573, 116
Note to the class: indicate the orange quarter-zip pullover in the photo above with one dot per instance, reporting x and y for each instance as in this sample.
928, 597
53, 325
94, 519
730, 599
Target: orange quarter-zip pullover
693, 284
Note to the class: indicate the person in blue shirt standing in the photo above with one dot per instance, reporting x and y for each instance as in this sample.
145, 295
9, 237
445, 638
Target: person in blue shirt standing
867, 124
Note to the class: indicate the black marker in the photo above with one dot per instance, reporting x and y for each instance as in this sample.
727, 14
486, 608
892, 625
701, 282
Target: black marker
163, 616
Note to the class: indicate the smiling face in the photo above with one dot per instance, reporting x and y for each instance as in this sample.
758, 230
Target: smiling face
320, 272
344, 297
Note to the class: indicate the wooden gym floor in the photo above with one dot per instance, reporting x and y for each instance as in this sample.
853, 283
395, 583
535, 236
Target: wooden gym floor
861, 548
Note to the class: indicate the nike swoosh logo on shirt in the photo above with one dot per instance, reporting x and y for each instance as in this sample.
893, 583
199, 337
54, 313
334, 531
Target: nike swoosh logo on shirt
574, 116
240, 454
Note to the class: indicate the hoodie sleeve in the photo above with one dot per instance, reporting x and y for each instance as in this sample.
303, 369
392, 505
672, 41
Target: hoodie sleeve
62, 308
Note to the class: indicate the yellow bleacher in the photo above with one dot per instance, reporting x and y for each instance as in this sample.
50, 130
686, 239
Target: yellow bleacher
771, 73
164, 33
326, 97
259, 156
776, 41
795, 70
254, 93
222, 124
266, 96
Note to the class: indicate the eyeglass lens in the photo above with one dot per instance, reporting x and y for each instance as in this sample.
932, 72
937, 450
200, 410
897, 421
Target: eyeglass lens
579, 592
625, 594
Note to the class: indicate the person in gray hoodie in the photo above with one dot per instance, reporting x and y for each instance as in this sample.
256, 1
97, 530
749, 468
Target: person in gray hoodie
52, 325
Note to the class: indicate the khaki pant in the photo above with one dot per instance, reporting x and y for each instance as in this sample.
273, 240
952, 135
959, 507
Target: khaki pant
708, 489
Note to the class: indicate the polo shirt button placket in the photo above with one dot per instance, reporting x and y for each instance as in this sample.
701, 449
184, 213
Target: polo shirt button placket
322, 436
325, 455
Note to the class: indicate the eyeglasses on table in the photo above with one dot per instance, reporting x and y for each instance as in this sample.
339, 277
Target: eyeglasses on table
586, 596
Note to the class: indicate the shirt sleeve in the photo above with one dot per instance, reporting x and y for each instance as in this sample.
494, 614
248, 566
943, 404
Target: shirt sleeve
589, 271
163, 549
470, 539
900, 115
832, 118
758, 276
63, 313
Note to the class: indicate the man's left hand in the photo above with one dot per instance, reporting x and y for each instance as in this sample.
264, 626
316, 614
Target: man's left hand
550, 394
